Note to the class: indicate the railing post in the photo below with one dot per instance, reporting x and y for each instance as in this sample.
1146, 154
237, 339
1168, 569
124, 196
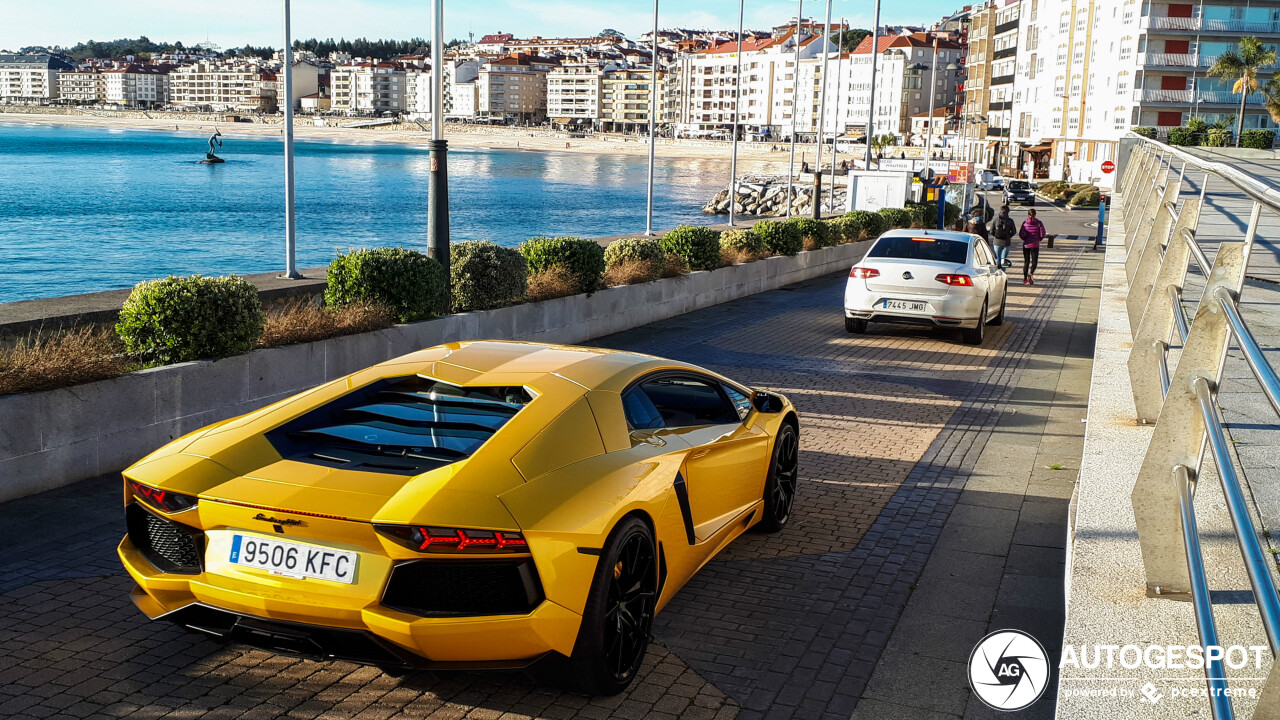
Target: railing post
1134, 186
1137, 156
1179, 435
1144, 223
1146, 191
1145, 266
1147, 356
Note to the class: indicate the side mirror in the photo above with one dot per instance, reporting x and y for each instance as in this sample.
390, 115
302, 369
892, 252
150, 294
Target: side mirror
766, 402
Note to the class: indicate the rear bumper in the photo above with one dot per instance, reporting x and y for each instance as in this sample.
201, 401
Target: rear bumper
279, 617
945, 311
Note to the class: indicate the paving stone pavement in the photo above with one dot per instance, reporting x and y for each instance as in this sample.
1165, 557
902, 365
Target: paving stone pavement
785, 625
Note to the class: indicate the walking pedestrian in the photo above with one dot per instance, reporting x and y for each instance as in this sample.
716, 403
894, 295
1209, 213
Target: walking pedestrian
1032, 233
1002, 233
977, 225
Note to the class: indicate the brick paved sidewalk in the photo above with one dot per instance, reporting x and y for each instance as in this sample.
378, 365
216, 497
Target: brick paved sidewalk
786, 625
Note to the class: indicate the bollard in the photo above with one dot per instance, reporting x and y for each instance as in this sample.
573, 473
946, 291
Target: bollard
1098, 242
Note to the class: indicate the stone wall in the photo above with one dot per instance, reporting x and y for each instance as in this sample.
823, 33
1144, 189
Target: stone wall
769, 197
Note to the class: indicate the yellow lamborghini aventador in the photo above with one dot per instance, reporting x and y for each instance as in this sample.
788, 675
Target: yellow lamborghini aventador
482, 504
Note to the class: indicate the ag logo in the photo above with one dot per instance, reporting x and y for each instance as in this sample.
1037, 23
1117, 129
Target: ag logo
1008, 670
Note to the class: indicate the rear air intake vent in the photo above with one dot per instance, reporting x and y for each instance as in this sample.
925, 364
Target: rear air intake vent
453, 588
172, 547
404, 426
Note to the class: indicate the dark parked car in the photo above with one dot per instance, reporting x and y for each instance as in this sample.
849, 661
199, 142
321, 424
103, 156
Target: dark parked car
1019, 191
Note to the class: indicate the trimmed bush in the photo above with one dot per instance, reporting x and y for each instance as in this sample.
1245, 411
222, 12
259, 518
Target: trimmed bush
779, 236
187, 318
583, 259
814, 232
846, 228
1220, 137
486, 275
896, 217
698, 247
1146, 132
1182, 136
644, 250
1055, 189
871, 223
1087, 196
1257, 139
952, 214
407, 282
743, 241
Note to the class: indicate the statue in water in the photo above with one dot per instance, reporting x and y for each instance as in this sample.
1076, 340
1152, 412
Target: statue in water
214, 140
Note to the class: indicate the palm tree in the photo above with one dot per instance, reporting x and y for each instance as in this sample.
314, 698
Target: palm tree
1272, 100
1242, 67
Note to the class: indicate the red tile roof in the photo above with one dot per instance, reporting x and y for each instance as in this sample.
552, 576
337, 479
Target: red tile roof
921, 40
496, 39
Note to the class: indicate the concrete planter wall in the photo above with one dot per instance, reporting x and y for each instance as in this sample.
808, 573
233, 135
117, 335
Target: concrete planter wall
55, 438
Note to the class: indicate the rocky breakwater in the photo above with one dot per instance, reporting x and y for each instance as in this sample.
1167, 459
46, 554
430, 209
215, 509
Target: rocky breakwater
768, 196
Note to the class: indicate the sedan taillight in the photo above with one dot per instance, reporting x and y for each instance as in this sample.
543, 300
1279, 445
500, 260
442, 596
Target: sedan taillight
961, 280
445, 539
165, 500
864, 273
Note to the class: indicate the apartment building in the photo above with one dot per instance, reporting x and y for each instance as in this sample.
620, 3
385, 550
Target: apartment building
573, 94
216, 85
988, 115
30, 78
624, 99
514, 88
136, 86
367, 86
417, 85
81, 86
908, 71
548, 47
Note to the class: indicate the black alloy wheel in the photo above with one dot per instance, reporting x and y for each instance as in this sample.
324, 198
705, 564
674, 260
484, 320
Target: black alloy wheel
780, 487
974, 335
855, 325
619, 615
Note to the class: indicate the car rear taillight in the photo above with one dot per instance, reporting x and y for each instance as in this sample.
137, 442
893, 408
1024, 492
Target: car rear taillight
963, 280
444, 539
165, 500
864, 273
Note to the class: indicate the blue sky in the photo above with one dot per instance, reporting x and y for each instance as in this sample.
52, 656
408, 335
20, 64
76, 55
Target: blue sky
232, 23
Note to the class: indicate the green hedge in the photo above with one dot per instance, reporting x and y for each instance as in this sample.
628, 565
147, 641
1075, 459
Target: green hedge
814, 230
186, 318
1054, 189
1258, 139
743, 240
408, 282
1086, 196
646, 250
896, 217
582, 258
486, 275
1146, 132
779, 236
850, 229
698, 247
1184, 137
871, 223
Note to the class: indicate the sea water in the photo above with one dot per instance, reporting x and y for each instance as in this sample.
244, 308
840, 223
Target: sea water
88, 209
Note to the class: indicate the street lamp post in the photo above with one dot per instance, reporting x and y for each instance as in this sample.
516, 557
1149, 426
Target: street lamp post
290, 232
653, 112
822, 114
438, 178
737, 109
795, 105
871, 106
835, 130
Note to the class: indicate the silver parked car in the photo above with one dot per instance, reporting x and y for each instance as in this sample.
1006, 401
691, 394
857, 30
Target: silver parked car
927, 277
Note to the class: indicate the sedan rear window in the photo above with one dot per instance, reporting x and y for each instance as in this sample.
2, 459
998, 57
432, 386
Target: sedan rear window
933, 249
1019, 185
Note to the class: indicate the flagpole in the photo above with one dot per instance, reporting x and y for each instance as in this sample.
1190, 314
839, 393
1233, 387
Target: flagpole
438, 175
653, 112
835, 131
822, 113
795, 104
737, 110
290, 232
871, 106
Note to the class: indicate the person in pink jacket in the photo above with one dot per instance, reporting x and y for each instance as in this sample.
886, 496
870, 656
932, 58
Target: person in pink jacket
1032, 232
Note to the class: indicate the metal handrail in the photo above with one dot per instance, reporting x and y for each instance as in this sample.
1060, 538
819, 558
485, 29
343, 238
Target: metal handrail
1259, 191
1179, 315
1197, 253
1262, 369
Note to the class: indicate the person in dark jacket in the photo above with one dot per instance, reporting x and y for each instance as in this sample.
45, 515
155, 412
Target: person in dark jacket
1032, 233
1002, 232
977, 226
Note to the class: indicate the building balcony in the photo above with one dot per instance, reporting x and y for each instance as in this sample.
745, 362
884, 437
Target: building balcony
1197, 24
1002, 80
1004, 105
1189, 97
1007, 26
1007, 52
997, 132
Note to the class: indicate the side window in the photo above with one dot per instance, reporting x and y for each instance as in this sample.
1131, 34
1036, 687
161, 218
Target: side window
686, 402
983, 255
639, 409
741, 402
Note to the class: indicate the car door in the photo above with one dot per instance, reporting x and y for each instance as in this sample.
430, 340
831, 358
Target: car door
727, 458
986, 273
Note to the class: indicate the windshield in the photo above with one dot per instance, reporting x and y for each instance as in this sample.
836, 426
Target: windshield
1019, 185
910, 248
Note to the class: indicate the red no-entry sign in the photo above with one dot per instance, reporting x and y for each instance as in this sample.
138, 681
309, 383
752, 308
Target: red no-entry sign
1108, 167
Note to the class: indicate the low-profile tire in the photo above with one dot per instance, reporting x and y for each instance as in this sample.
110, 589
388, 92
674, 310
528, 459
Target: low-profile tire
999, 319
855, 325
615, 627
974, 335
780, 486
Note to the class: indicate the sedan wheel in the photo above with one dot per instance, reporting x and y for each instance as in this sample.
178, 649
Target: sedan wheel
974, 335
614, 634
999, 319
855, 325
780, 487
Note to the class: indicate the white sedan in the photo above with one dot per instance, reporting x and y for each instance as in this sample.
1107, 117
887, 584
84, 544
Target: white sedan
927, 277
